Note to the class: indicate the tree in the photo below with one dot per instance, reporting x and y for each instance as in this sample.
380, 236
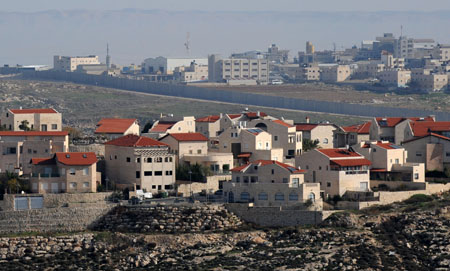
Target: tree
73, 132
198, 172
24, 125
308, 144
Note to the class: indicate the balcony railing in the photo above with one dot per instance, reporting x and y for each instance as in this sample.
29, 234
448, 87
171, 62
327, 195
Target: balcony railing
45, 175
355, 172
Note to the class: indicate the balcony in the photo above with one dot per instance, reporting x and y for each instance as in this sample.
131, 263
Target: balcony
45, 175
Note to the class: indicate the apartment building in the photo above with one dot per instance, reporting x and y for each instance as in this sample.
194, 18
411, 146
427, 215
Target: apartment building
334, 73
238, 69
395, 78
389, 162
322, 132
275, 55
167, 66
270, 183
169, 125
65, 172
138, 162
394, 129
429, 81
442, 52
351, 135
19, 147
186, 144
113, 128
309, 72
337, 170
284, 135
409, 47
432, 149
46, 119
70, 64
193, 73
368, 69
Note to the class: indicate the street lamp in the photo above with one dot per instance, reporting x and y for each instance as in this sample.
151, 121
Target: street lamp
190, 183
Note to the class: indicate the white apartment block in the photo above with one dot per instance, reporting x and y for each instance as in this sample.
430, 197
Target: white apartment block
70, 64
334, 73
165, 65
227, 70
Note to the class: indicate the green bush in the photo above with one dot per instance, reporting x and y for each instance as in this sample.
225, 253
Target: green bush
419, 198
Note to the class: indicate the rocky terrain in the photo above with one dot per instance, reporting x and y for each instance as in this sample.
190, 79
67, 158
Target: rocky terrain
413, 235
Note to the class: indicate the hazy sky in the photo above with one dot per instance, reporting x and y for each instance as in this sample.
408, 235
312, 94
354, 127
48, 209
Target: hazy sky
247, 5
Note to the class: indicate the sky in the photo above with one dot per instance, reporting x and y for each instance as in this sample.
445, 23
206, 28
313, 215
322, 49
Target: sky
229, 5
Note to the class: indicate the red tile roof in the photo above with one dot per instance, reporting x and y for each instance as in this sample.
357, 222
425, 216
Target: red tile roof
114, 126
254, 115
378, 170
391, 122
283, 123
33, 133
76, 158
34, 111
422, 128
430, 134
388, 145
359, 128
212, 118
244, 155
188, 137
43, 161
135, 141
234, 116
305, 126
339, 153
351, 162
162, 127
290, 168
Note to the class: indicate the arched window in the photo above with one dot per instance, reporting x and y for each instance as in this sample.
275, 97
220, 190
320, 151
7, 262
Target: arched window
293, 197
279, 197
325, 141
311, 196
245, 196
263, 196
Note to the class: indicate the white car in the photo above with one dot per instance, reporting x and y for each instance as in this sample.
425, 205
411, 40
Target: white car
143, 195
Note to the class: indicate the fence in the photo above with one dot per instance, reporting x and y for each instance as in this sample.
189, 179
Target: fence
232, 96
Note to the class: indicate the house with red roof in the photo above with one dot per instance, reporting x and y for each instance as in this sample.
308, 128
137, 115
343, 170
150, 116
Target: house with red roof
19, 147
38, 119
351, 135
168, 125
271, 183
65, 172
337, 170
394, 129
431, 149
284, 135
209, 126
322, 132
114, 127
389, 162
138, 162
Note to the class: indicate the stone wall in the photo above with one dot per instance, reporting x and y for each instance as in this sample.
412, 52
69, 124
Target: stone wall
168, 219
276, 216
64, 219
98, 149
211, 185
399, 184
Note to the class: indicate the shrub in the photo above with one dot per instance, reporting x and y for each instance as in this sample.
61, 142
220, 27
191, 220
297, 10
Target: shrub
419, 198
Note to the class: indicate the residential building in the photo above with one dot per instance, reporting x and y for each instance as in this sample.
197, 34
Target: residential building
393, 129
238, 69
209, 126
334, 73
322, 132
270, 183
368, 69
275, 55
96, 69
389, 162
337, 170
193, 73
442, 52
182, 144
65, 172
70, 64
47, 119
166, 65
351, 135
391, 62
309, 72
115, 128
416, 129
138, 162
395, 78
408, 47
169, 125
19, 147
429, 81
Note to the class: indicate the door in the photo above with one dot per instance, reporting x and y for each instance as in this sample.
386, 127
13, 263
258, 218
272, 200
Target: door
364, 186
55, 188
230, 197
21, 203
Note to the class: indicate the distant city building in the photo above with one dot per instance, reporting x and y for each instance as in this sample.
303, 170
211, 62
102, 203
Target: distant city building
239, 70
275, 55
429, 81
310, 48
334, 73
70, 64
395, 78
166, 65
193, 73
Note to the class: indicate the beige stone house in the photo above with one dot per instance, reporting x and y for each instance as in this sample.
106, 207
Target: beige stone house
337, 170
65, 172
171, 125
270, 183
114, 128
139, 162
19, 147
323, 132
415, 129
393, 129
431, 149
389, 161
209, 126
182, 144
351, 135
47, 119
335, 73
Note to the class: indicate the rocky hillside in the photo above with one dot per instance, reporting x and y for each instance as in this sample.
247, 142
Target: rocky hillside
413, 235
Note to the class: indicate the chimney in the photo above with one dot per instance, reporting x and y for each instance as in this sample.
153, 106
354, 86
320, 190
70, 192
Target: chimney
307, 119
221, 115
258, 114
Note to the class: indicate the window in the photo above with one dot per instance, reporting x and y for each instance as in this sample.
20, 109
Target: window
397, 161
72, 171
279, 197
153, 186
73, 185
263, 196
293, 197
128, 159
158, 160
416, 176
447, 154
169, 173
168, 187
166, 159
320, 168
312, 196
138, 174
115, 157
54, 126
254, 179
418, 153
325, 141
285, 180
158, 173
245, 196
85, 185
199, 151
30, 151
148, 160
190, 151
148, 173
328, 184
138, 160
374, 150
86, 171
273, 171
238, 179
295, 182
44, 127
275, 138
245, 179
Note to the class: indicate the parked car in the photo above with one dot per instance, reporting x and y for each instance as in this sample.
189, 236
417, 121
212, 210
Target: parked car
143, 195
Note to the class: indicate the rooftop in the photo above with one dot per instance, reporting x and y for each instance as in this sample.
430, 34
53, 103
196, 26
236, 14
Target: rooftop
392, 122
34, 111
68, 159
212, 118
358, 128
262, 163
422, 128
33, 133
114, 126
188, 137
339, 153
283, 123
135, 141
